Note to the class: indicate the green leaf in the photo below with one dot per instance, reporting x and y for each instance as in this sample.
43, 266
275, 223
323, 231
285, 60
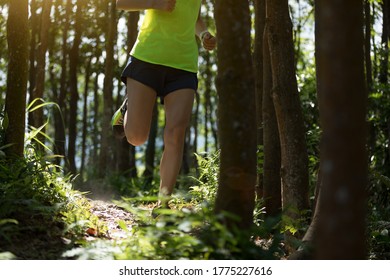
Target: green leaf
123, 225
8, 221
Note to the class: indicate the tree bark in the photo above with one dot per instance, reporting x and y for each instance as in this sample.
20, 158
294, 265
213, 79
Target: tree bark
207, 101
34, 27
125, 151
60, 117
17, 76
106, 138
151, 148
37, 118
73, 86
258, 64
272, 159
384, 64
195, 127
237, 113
87, 78
367, 43
342, 102
294, 158
95, 123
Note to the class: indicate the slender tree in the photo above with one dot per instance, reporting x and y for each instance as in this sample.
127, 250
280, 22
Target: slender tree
384, 64
34, 32
151, 148
367, 42
84, 135
15, 102
95, 125
195, 129
237, 112
106, 138
37, 118
60, 117
272, 155
74, 56
207, 100
125, 151
258, 68
294, 168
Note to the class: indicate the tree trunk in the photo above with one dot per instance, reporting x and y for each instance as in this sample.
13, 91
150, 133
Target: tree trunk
74, 93
17, 76
294, 168
272, 158
33, 24
106, 138
258, 64
87, 79
207, 101
367, 43
342, 103
126, 160
132, 31
151, 149
37, 115
60, 117
125, 151
195, 119
237, 112
384, 65
95, 123
185, 166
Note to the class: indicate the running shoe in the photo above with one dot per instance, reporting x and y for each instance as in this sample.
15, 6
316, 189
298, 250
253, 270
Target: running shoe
117, 121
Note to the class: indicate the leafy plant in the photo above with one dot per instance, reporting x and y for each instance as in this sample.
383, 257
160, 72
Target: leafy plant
189, 229
38, 204
207, 182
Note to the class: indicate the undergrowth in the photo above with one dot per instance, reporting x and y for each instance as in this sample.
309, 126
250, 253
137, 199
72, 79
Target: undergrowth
41, 215
189, 229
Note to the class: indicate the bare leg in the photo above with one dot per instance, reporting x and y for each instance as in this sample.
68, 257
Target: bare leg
141, 99
178, 108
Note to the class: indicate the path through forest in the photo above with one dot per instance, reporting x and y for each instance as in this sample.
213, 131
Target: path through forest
111, 214
100, 197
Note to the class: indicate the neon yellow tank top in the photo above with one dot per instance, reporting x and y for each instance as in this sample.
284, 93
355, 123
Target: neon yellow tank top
168, 38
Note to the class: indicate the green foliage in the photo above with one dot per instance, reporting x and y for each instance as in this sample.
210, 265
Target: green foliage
39, 207
184, 234
379, 216
295, 226
132, 187
189, 229
378, 119
207, 182
379, 172
3, 126
379, 240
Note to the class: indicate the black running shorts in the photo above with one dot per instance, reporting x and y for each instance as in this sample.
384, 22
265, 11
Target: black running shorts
162, 79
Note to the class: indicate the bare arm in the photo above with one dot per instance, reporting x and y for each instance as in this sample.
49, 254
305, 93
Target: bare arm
200, 26
137, 5
208, 41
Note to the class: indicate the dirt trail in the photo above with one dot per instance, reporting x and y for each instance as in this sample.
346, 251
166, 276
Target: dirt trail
111, 214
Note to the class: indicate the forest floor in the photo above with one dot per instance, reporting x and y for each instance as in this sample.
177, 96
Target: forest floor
111, 214
42, 239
